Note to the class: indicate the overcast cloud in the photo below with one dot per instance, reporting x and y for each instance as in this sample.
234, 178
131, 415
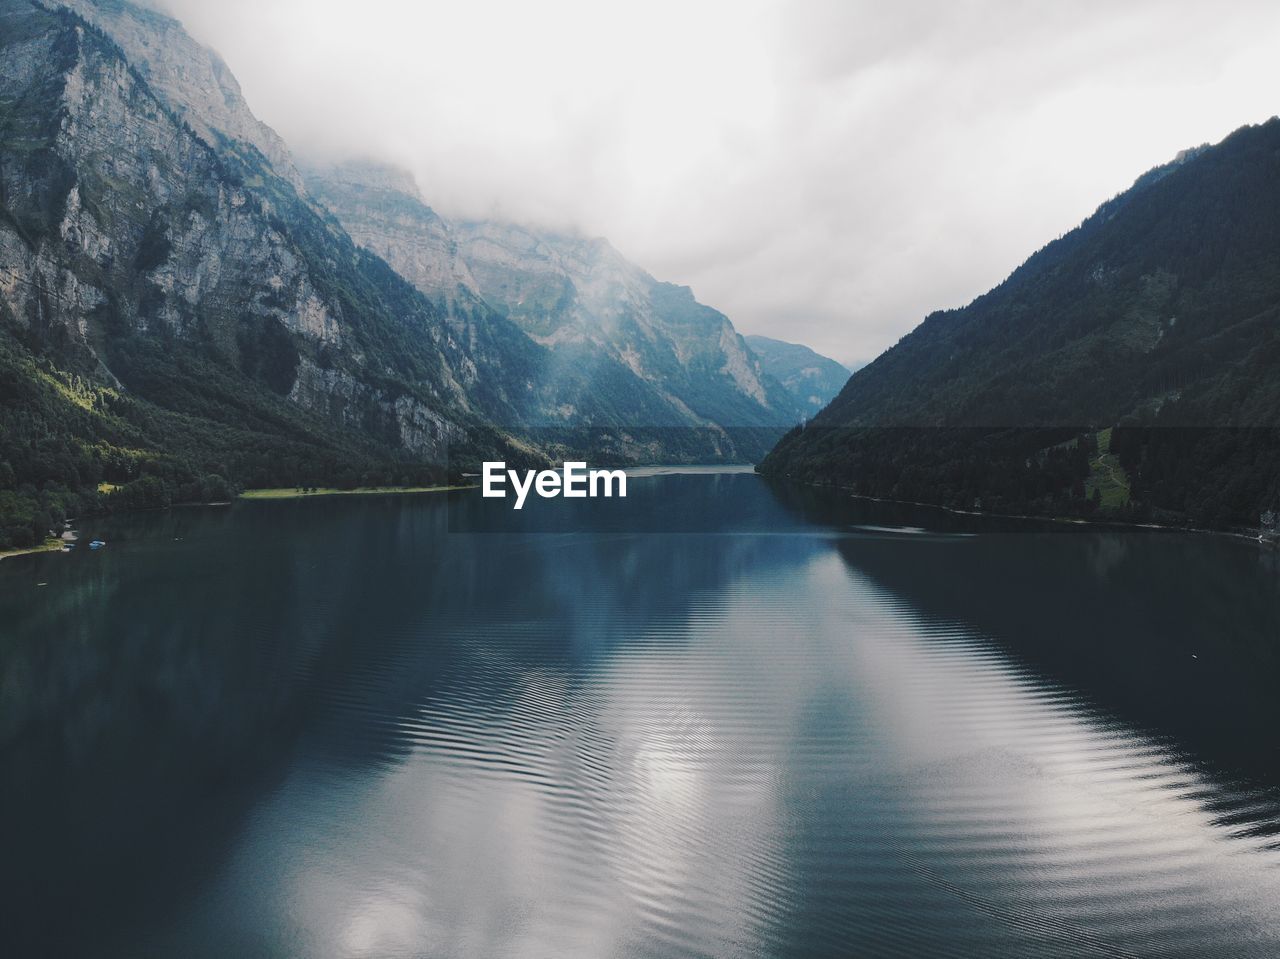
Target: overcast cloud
823, 172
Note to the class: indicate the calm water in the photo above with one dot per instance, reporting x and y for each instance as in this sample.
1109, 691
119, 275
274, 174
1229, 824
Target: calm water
788, 725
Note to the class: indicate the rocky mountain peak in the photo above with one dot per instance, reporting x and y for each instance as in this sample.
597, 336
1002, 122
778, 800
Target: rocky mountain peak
192, 79
368, 175
572, 293
380, 206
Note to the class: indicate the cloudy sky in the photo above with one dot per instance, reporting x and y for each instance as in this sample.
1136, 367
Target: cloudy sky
824, 172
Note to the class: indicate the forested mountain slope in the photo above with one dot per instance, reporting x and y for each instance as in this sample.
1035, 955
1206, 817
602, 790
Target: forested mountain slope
1131, 366
171, 311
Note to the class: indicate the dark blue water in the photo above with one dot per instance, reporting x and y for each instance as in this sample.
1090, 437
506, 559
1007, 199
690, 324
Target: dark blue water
786, 724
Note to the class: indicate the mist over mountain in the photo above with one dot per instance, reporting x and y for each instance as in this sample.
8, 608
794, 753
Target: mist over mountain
180, 314
187, 308
172, 308
825, 172
813, 379
1131, 367
190, 78
642, 353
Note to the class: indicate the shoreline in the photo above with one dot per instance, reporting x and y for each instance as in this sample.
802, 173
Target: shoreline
50, 545
1064, 520
55, 545
284, 492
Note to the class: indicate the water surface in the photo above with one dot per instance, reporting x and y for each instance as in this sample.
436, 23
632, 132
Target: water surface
782, 724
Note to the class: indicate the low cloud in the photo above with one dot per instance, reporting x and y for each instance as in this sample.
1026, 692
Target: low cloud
823, 172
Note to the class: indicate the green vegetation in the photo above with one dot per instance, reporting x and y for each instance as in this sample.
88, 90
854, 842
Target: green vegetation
69, 448
300, 492
222, 332
1155, 324
51, 544
1107, 484
147, 398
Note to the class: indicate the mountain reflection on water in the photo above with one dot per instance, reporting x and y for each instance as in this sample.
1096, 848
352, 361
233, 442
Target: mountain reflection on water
786, 723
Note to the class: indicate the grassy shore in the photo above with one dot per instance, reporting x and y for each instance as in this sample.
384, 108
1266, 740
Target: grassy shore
296, 493
1107, 476
50, 545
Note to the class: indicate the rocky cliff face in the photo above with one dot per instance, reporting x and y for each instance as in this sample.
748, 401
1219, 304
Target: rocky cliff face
175, 304
129, 242
625, 349
580, 291
192, 79
813, 379
381, 208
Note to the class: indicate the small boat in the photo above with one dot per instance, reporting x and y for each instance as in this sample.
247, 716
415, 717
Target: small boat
97, 544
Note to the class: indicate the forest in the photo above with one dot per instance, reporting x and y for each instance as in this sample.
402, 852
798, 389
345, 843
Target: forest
1156, 323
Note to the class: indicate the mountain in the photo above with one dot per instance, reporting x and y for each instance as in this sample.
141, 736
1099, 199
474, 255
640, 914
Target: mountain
580, 294
190, 78
484, 373
175, 314
381, 207
813, 379
180, 314
1131, 367
628, 351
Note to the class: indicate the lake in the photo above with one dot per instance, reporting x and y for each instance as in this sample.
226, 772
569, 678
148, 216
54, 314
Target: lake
716, 718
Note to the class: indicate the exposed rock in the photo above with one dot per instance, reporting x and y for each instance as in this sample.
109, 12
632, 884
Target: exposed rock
131, 224
381, 208
190, 77
813, 379
649, 348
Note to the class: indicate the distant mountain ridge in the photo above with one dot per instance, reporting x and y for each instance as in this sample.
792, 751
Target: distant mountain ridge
642, 353
180, 313
139, 250
813, 379
1131, 367
176, 315
581, 293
